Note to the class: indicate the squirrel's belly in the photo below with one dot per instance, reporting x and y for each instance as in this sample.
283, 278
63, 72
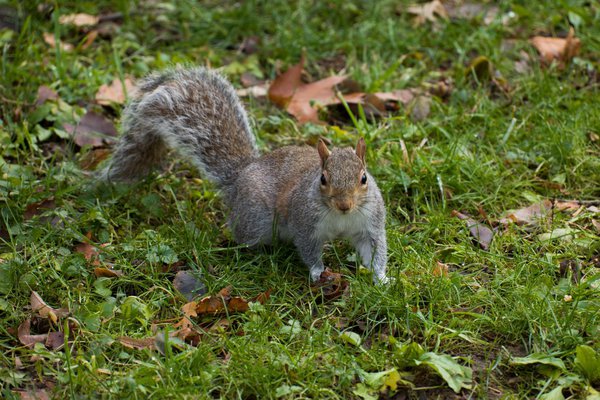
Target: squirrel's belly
341, 226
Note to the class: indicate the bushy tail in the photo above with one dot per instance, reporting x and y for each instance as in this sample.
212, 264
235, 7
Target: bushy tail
195, 112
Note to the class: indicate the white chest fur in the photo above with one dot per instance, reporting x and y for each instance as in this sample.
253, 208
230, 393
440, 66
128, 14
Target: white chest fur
335, 225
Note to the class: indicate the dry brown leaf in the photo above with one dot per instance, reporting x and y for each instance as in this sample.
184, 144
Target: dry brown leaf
114, 93
55, 340
107, 272
44, 94
427, 12
440, 269
138, 344
482, 234
93, 130
90, 252
303, 102
473, 10
89, 39
51, 40
284, 86
531, 215
92, 158
39, 207
25, 336
80, 19
222, 303
331, 284
260, 90
560, 49
44, 310
189, 309
35, 394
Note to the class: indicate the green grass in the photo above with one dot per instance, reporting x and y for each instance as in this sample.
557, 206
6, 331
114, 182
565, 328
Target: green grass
493, 305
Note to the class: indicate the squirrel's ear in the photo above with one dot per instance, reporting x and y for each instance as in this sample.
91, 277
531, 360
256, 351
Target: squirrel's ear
361, 149
323, 151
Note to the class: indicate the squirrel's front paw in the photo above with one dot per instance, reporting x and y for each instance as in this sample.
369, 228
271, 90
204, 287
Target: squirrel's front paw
315, 272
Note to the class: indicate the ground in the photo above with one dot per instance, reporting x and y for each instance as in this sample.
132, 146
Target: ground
494, 125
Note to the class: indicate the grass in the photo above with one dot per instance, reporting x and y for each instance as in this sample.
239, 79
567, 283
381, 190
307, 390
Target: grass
483, 148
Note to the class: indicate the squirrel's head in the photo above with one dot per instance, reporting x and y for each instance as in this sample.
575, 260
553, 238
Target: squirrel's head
343, 180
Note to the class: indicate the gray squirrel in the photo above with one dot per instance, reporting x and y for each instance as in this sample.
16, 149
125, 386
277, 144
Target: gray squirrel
299, 194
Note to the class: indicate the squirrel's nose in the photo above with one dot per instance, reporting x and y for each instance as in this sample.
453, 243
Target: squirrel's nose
344, 205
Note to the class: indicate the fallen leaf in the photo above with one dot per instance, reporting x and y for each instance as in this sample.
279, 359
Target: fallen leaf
89, 39
531, 215
222, 303
472, 10
92, 158
25, 336
188, 285
560, 49
80, 19
214, 304
93, 130
440, 269
427, 12
107, 272
51, 41
331, 284
44, 310
254, 91
44, 94
114, 92
189, 309
138, 344
284, 86
481, 232
305, 101
90, 252
596, 225
55, 340
38, 207
35, 394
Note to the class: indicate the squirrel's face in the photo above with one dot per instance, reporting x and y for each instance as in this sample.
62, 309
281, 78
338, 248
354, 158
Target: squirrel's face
343, 181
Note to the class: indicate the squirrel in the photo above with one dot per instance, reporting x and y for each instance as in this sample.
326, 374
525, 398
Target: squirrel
299, 194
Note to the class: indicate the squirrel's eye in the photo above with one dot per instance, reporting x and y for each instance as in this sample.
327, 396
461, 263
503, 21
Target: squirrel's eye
363, 180
323, 180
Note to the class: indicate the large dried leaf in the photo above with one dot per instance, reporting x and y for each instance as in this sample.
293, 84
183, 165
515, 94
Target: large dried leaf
39, 306
531, 215
51, 41
93, 130
480, 232
560, 49
284, 86
80, 19
427, 12
25, 336
44, 94
221, 303
55, 340
138, 344
305, 101
331, 284
90, 252
38, 207
102, 272
33, 394
469, 11
114, 92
